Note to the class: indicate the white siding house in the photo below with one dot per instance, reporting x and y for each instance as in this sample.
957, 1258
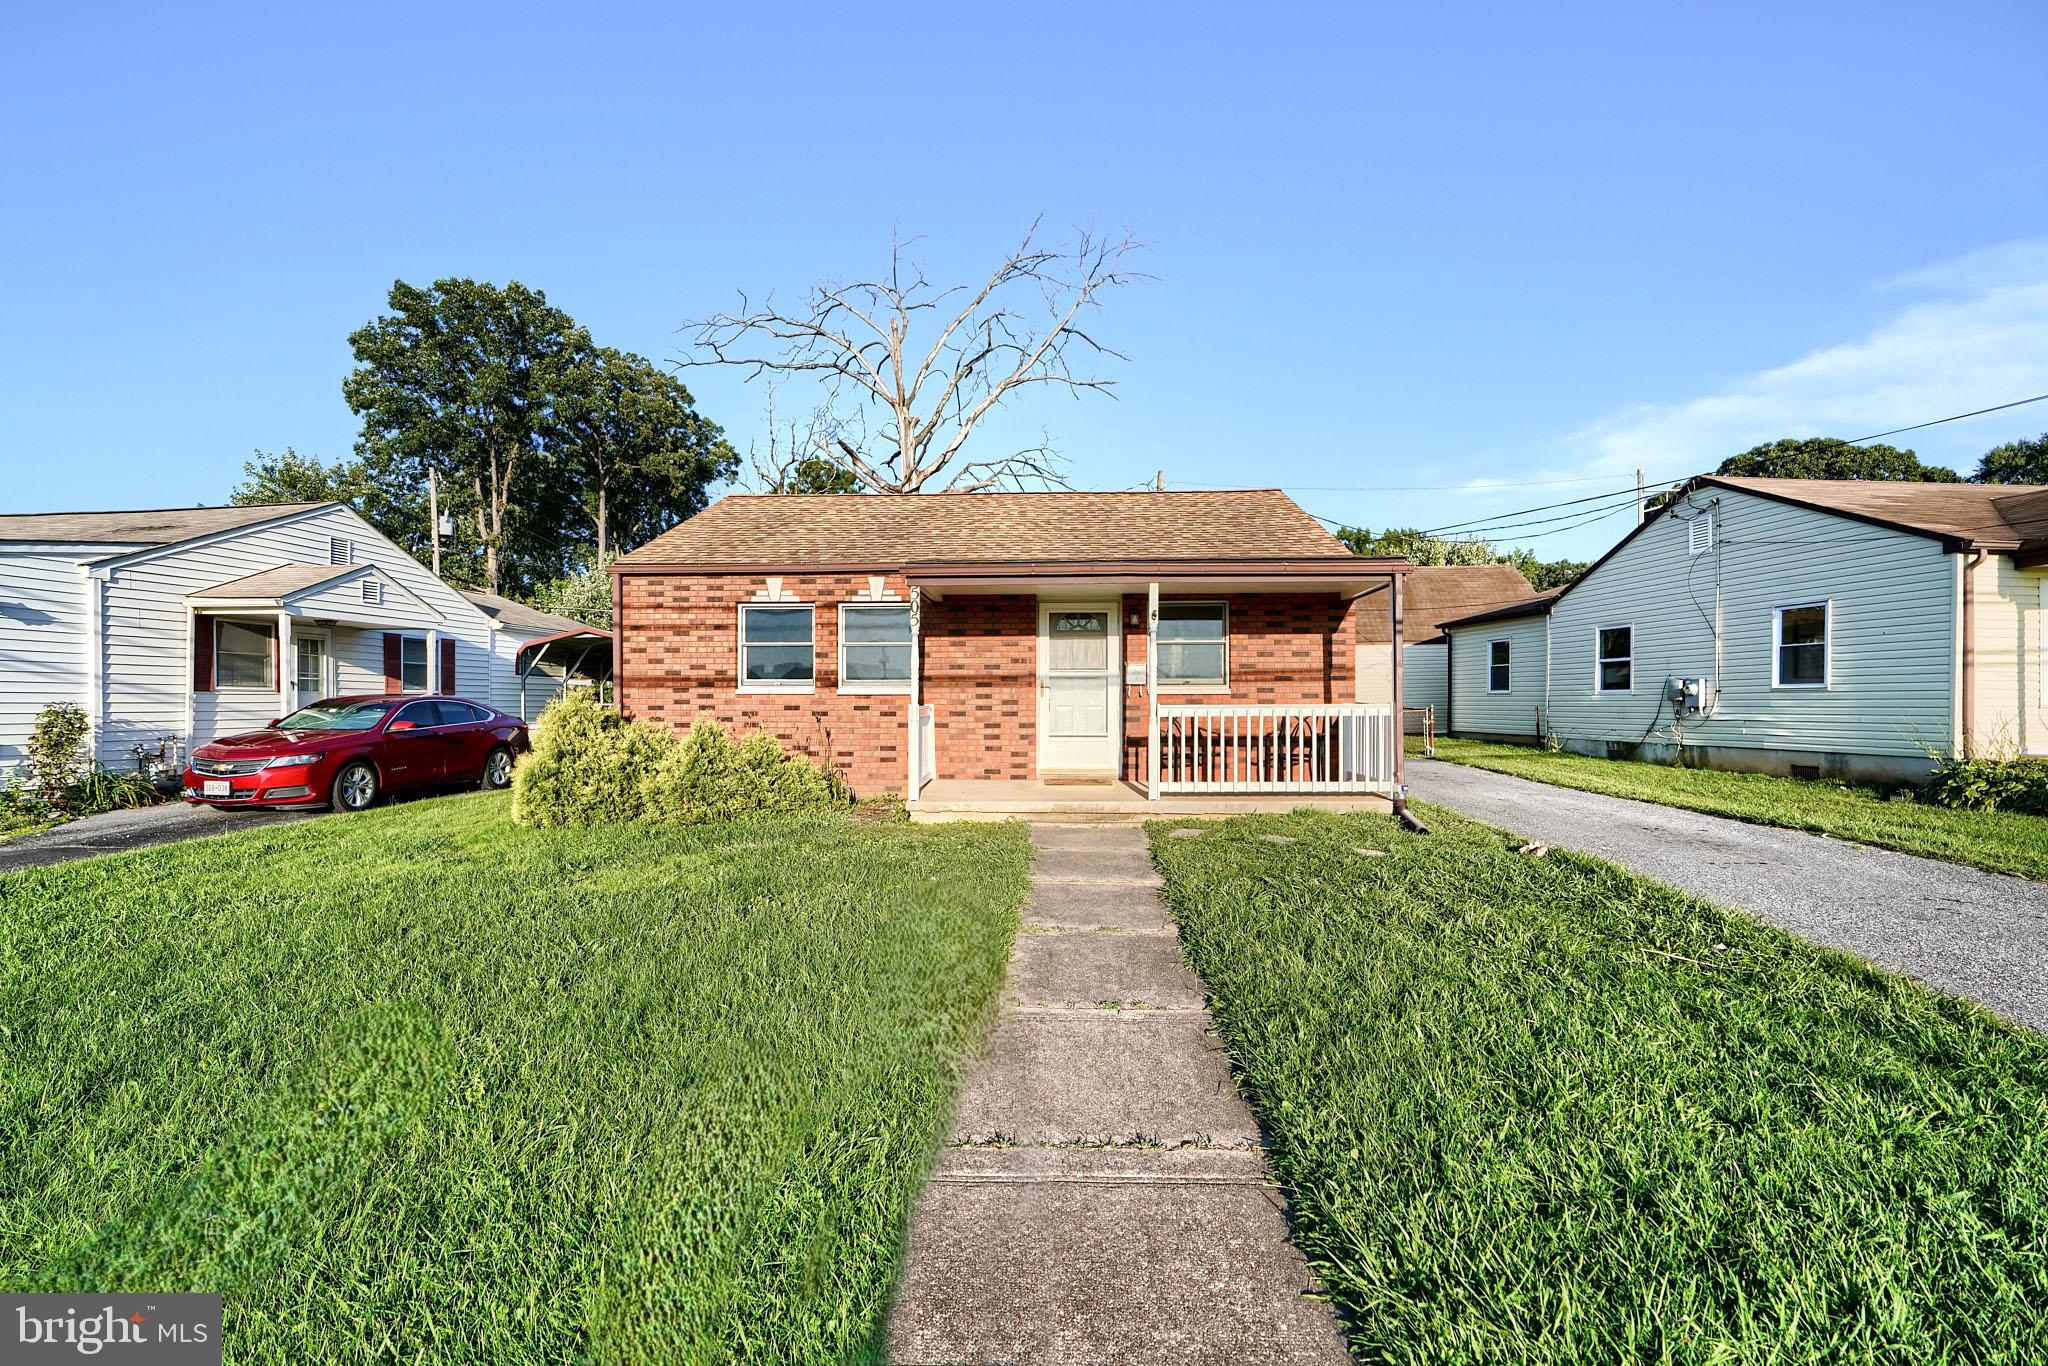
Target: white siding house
169, 628
1827, 625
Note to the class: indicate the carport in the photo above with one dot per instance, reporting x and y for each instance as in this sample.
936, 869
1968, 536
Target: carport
584, 653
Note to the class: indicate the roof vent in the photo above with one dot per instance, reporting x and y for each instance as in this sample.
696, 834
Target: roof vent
340, 550
1699, 534
373, 592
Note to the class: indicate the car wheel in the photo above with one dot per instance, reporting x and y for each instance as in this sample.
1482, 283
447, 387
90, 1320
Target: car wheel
355, 787
498, 770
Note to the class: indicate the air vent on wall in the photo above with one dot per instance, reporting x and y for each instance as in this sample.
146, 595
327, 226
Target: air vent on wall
340, 550
1699, 534
373, 592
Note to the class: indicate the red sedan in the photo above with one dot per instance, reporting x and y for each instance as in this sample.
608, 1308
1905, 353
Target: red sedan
348, 751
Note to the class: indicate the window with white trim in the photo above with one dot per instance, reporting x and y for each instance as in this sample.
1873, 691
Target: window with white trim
1799, 646
244, 655
1614, 664
340, 550
778, 651
874, 647
1194, 645
412, 664
1499, 661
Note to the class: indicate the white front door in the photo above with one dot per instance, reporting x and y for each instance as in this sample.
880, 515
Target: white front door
311, 680
1080, 689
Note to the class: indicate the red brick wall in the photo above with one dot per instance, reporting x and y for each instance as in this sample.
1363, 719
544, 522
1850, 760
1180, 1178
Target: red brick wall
679, 660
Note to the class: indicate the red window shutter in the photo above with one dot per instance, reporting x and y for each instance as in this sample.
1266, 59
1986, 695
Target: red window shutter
202, 654
394, 680
447, 665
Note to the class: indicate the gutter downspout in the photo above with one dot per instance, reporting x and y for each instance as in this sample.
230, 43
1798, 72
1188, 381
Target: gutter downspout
1401, 812
1969, 649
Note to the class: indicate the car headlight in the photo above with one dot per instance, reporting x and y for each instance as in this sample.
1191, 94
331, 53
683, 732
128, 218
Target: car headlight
293, 760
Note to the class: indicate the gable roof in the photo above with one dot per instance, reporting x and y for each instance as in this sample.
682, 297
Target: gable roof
280, 582
1434, 594
149, 527
1533, 606
872, 529
2005, 517
517, 616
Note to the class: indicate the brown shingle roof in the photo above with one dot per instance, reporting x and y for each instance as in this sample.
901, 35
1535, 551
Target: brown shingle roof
158, 526
280, 582
1989, 516
517, 616
940, 528
1434, 594
1532, 606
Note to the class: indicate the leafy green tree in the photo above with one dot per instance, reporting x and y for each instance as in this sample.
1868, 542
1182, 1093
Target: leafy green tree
1827, 457
632, 455
1544, 575
391, 505
461, 378
584, 596
2016, 462
1417, 548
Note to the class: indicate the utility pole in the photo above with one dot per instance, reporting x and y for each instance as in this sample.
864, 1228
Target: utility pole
434, 517
1639, 497
1159, 482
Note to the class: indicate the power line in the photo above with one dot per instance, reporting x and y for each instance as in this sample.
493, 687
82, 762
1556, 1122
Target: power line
1998, 408
1472, 533
1629, 489
1468, 486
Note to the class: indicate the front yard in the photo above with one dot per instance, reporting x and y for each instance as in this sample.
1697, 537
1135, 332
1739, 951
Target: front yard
424, 1085
1997, 841
1540, 1109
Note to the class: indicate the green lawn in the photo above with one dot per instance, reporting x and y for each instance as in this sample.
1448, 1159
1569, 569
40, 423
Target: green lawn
2001, 841
1542, 1110
425, 1086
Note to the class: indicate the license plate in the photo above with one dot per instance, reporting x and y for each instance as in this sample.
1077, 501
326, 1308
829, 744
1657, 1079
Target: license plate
216, 787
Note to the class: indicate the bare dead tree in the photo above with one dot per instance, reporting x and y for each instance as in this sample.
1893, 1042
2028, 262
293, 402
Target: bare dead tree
801, 454
1022, 326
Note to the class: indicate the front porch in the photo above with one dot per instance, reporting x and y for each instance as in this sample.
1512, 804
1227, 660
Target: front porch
1116, 802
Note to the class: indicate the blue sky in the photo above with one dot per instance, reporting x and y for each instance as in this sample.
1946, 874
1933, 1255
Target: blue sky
1394, 246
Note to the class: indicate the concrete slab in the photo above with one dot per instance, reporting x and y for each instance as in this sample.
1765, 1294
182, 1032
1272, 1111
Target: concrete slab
1082, 1258
1046, 835
1086, 905
1100, 967
1104, 1077
1131, 865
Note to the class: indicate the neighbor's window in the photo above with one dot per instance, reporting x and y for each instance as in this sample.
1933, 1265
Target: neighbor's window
1802, 646
1194, 644
776, 650
244, 656
412, 663
1498, 673
1614, 671
874, 648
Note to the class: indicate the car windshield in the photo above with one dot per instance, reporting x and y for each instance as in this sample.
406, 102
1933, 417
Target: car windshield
337, 716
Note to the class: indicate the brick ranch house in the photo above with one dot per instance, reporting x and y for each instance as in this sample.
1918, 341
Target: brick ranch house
1027, 651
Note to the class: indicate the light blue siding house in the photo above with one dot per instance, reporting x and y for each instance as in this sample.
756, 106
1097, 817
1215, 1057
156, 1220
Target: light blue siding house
1822, 628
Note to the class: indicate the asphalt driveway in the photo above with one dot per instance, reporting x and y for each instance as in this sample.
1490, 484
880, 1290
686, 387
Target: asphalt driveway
1974, 934
110, 832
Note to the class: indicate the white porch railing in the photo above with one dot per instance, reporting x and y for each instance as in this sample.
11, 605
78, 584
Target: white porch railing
926, 742
1340, 747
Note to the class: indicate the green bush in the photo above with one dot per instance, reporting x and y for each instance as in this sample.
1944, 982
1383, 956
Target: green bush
589, 766
1992, 785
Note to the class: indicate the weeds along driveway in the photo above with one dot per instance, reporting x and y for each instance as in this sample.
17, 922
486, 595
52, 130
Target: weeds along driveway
1979, 935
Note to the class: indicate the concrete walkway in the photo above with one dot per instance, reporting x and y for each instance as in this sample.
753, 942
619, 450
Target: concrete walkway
1979, 935
1104, 1198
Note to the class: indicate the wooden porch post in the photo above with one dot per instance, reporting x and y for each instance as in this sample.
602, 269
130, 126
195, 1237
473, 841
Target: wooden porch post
912, 721
1400, 718
1152, 692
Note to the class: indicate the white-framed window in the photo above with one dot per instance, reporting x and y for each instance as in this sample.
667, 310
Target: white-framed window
1799, 645
1699, 534
778, 647
412, 664
1194, 646
1614, 659
244, 656
1499, 666
340, 550
874, 647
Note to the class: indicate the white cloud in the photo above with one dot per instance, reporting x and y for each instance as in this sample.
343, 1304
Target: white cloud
1976, 336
